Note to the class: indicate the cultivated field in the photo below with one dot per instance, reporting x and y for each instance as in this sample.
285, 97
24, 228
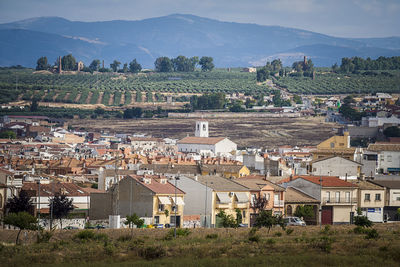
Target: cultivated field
250, 132
296, 246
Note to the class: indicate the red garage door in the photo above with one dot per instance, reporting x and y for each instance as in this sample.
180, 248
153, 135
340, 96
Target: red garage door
327, 215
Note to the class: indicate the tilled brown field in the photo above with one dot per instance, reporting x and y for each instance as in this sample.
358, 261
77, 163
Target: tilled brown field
251, 132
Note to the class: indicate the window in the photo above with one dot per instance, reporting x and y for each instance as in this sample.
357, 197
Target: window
253, 198
337, 196
160, 207
377, 197
328, 196
332, 145
173, 208
389, 158
244, 214
347, 197
156, 219
367, 197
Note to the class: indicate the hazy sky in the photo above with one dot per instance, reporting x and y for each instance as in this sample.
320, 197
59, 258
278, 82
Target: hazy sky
346, 18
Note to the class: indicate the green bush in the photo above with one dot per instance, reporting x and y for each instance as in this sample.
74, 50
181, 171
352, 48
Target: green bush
278, 234
371, 234
270, 241
362, 221
212, 236
323, 243
289, 231
152, 252
85, 235
254, 238
359, 230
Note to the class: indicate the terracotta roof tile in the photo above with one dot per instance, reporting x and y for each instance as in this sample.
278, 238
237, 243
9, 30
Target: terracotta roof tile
327, 181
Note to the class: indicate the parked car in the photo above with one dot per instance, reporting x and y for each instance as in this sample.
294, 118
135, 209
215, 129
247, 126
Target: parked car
294, 221
70, 228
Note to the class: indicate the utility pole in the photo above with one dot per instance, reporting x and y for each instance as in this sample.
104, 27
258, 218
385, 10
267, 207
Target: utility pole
38, 211
205, 209
320, 204
51, 206
176, 177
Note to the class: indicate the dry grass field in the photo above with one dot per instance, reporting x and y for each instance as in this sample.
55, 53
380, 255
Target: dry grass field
296, 246
251, 132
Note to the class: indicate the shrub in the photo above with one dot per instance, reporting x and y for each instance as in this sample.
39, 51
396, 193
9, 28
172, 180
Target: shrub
45, 236
152, 252
371, 234
326, 230
362, 221
85, 235
212, 236
359, 230
124, 238
179, 232
289, 231
254, 238
270, 241
278, 234
323, 243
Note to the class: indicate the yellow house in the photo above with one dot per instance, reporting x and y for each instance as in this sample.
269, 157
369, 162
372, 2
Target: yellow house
227, 171
227, 196
152, 197
335, 146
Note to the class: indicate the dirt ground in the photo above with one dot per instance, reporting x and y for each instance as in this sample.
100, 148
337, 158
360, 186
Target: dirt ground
253, 132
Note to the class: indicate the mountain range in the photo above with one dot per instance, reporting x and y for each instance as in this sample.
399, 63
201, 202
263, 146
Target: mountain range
230, 44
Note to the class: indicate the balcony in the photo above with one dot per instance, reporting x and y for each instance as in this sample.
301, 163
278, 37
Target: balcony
241, 205
279, 203
221, 205
340, 201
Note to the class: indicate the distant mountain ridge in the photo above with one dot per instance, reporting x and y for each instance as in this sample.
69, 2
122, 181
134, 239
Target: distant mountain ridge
230, 44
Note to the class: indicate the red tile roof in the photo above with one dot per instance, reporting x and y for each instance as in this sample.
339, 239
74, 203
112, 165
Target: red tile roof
69, 189
156, 186
327, 181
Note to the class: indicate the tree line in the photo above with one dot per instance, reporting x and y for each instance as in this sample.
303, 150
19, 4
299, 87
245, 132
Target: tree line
183, 64
162, 64
355, 64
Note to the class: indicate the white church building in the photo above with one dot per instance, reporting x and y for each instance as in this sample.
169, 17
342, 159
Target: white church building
202, 144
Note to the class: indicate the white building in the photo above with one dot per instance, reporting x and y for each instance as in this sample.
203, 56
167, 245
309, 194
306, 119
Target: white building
336, 166
202, 144
388, 157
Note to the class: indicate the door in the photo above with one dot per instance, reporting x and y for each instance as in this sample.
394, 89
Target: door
327, 215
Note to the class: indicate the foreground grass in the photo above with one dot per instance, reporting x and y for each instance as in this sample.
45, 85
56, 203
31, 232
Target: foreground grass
306, 246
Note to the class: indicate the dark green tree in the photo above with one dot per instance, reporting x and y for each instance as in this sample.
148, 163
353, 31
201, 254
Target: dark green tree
95, 65
68, 62
8, 134
134, 219
163, 64
228, 221
34, 105
393, 131
22, 220
262, 74
19, 203
134, 66
62, 206
266, 219
305, 211
206, 63
42, 64
133, 113
115, 65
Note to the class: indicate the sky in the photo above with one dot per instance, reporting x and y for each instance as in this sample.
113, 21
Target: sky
341, 18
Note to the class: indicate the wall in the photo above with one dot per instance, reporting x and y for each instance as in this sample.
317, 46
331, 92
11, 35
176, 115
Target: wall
100, 206
341, 214
142, 199
225, 146
336, 166
195, 198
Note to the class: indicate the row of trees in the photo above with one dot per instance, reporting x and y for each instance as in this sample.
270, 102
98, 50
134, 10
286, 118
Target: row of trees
19, 209
357, 63
69, 63
208, 101
183, 64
